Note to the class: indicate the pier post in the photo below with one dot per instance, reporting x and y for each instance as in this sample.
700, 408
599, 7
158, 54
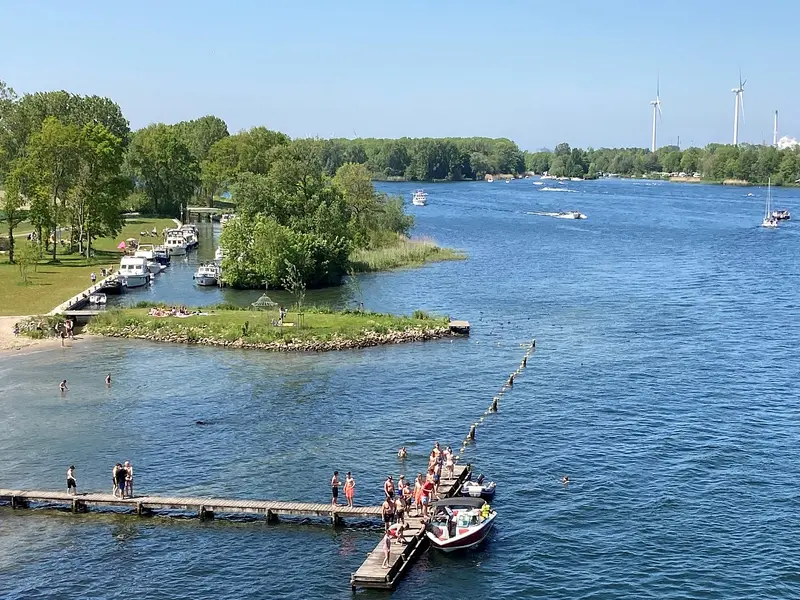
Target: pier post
272, 517
511, 380
336, 520
205, 514
471, 435
17, 502
524, 361
78, 506
142, 510
494, 405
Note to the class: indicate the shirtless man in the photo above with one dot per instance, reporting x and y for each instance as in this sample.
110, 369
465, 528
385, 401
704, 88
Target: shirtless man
72, 484
335, 483
388, 487
63, 386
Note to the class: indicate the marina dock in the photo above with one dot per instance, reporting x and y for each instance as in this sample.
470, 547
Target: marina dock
204, 507
372, 573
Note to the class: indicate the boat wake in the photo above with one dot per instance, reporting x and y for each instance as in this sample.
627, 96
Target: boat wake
552, 189
571, 214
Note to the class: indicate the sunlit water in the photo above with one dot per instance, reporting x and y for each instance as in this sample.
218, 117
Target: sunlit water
664, 385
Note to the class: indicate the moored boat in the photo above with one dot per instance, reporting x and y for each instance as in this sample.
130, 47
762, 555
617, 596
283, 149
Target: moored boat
161, 254
133, 271
479, 488
420, 198
175, 243
459, 523
111, 285
206, 274
97, 298
147, 252
190, 235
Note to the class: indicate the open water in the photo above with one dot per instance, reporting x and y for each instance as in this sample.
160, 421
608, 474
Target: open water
664, 384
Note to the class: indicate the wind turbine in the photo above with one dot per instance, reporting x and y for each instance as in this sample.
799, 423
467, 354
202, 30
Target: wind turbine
739, 91
656, 109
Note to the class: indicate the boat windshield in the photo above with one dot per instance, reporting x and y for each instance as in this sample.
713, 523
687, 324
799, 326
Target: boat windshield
467, 519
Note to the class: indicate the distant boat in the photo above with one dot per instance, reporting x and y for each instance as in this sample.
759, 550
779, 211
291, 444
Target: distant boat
489, 178
508, 181
576, 178
538, 183
420, 198
781, 214
769, 221
133, 271
571, 214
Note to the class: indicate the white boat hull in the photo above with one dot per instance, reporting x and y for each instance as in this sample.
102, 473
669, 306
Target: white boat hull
205, 280
176, 250
133, 281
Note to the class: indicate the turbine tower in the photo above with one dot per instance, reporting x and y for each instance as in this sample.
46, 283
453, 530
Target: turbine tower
656, 109
775, 130
739, 91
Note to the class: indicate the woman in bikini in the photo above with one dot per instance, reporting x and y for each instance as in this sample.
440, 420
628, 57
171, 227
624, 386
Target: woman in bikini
349, 488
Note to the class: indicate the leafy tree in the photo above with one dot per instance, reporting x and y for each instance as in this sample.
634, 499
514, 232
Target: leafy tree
163, 168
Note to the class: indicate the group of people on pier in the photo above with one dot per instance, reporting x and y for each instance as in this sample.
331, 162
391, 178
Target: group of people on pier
122, 478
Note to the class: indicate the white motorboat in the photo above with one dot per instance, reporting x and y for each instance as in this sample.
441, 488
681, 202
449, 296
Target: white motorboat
175, 243
133, 271
571, 214
489, 178
162, 254
206, 274
459, 523
769, 221
147, 252
190, 234
781, 214
219, 254
98, 298
479, 488
576, 178
420, 198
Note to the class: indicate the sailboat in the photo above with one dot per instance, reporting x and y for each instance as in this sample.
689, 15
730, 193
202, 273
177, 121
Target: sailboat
769, 220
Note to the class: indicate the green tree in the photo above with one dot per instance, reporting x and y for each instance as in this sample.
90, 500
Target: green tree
163, 168
29, 254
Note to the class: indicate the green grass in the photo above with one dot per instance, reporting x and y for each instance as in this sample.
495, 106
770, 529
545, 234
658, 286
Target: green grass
404, 253
50, 284
256, 327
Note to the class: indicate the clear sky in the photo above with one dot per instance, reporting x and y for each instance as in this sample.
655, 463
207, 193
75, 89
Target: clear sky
537, 72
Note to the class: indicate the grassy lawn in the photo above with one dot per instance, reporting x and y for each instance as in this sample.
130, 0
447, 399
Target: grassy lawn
403, 253
257, 326
52, 283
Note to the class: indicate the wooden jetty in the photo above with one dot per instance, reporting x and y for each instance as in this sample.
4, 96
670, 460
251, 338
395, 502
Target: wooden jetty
204, 507
372, 573
461, 327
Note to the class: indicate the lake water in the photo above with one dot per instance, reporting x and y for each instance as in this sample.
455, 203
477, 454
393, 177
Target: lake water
664, 385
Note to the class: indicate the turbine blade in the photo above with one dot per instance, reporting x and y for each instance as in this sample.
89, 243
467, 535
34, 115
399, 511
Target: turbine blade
742, 84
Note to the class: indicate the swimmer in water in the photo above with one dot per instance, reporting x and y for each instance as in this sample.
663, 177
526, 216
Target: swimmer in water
108, 379
402, 452
565, 480
63, 386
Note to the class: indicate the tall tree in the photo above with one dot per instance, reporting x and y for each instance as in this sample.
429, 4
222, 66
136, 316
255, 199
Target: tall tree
163, 168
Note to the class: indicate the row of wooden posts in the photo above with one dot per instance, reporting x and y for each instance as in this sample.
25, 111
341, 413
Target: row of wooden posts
494, 406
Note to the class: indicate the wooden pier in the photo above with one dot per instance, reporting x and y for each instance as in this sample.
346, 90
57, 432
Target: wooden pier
203, 507
372, 573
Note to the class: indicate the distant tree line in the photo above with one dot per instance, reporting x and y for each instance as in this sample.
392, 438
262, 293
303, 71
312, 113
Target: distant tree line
715, 162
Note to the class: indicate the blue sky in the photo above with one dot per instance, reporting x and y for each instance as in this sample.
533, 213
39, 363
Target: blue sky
537, 72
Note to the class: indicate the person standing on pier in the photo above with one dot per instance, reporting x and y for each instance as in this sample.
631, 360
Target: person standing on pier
349, 489
418, 482
72, 484
335, 483
387, 548
388, 488
387, 512
128, 479
120, 474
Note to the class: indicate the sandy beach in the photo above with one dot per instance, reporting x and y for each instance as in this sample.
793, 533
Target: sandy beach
9, 343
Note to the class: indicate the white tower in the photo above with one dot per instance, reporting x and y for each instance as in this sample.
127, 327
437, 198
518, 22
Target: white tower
656, 109
739, 91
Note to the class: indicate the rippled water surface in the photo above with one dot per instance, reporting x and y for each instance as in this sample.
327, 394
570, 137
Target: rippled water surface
664, 385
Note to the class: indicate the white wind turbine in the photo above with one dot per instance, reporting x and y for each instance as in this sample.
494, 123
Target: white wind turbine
739, 91
656, 109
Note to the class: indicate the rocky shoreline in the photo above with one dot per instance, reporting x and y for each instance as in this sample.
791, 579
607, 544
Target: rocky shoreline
367, 339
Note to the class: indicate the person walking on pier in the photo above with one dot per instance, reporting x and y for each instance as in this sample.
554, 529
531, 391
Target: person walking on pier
349, 489
335, 483
72, 484
128, 479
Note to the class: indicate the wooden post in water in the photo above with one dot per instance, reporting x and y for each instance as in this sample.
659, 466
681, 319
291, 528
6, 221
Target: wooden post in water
471, 435
272, 517
205, 514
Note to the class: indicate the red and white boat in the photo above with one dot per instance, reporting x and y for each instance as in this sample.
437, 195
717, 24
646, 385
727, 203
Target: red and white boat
459, 523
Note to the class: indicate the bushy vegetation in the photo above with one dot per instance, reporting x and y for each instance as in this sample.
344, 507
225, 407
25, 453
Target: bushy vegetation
401, 253
715, 162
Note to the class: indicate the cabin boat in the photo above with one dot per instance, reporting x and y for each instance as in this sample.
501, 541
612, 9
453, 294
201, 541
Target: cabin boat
133, 271
147, 251
420, 198
459, 523
161, 254
111, 285
206, 274
190, 234
97, 298
175, 243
